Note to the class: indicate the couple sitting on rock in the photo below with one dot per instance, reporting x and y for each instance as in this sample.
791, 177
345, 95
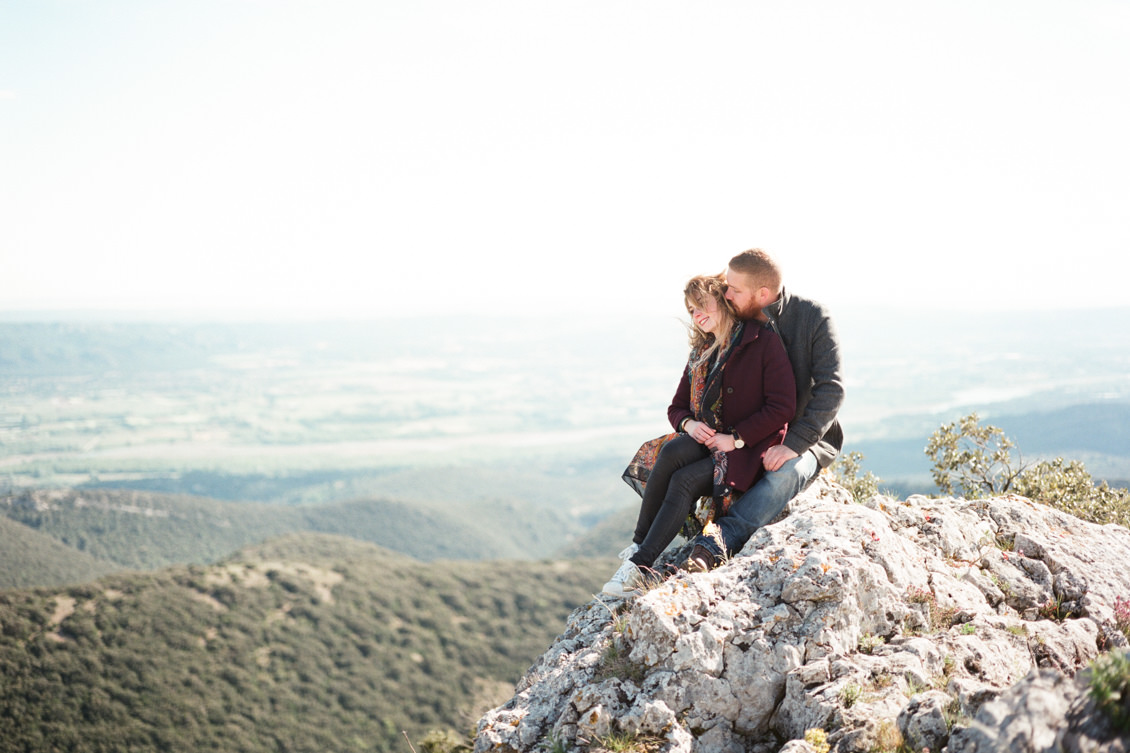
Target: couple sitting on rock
754, 418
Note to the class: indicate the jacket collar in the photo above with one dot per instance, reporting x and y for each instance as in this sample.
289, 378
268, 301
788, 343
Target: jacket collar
774, 310
750, 332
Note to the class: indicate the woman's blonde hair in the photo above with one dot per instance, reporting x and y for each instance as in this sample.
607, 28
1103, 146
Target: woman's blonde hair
696, 292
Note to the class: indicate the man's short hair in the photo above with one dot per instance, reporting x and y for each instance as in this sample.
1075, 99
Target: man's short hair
760, 266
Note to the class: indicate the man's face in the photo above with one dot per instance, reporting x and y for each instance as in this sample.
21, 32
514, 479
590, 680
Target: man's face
743, 292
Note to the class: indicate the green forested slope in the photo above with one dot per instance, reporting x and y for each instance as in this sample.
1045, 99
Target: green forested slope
307, 643
31, 558
145, 530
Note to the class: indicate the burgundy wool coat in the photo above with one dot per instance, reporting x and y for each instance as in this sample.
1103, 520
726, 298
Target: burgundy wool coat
758, 400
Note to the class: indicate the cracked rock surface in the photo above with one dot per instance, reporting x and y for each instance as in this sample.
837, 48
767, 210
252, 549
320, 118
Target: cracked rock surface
927, 622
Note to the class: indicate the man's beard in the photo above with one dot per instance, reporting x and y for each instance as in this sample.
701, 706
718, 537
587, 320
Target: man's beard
750, 312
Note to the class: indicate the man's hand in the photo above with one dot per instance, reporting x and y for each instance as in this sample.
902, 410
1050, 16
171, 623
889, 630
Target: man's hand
776, 456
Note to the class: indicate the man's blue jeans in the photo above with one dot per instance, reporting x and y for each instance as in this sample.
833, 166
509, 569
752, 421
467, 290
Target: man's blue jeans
761, 504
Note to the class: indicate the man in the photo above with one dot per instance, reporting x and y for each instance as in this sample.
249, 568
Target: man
814, 437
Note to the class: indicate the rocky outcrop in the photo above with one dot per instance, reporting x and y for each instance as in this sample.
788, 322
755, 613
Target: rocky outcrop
1046, 711
892, 623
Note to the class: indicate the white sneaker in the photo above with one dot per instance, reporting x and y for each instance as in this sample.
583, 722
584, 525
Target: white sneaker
628, 551
625, 580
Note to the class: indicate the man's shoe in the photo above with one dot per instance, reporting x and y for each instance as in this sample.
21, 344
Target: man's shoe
702, 560
628, 551
625, 581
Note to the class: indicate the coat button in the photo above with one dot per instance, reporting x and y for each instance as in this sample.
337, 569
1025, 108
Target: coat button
729, 390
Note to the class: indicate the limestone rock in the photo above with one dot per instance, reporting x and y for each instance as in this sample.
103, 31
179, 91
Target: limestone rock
1047, 712
929, 622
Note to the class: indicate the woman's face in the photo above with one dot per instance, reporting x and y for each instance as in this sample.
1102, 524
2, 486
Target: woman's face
706, 315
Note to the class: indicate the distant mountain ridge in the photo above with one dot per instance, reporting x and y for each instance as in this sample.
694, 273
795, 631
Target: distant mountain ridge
1086, 427
1098, 434
32, 558
146, 531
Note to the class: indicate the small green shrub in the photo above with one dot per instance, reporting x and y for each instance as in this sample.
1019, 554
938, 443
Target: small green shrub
614, 662
1055, 609
937, 617
868, 643
818, 739
976, 461
846, 472
1067, 486
1110, 688
624, 742
445, 741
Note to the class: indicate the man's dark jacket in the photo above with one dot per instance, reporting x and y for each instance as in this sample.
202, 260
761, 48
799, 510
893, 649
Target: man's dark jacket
814, 352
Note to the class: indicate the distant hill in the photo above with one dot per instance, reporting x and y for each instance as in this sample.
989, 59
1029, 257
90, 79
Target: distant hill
577, 490
145, 531
304, 643
1098, 434
608, 537
1088, 428
31, 558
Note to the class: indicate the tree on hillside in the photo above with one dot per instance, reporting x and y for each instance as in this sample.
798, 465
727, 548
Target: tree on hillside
972, 460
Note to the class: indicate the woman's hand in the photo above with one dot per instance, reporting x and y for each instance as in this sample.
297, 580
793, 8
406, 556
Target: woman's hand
698, 431
723, 442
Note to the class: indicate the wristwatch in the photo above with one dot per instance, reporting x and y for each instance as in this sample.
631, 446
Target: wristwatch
738, 442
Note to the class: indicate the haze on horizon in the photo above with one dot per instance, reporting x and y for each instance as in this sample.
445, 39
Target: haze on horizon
505, 157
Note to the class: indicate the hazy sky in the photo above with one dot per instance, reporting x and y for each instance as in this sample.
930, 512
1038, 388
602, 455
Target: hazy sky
480, 155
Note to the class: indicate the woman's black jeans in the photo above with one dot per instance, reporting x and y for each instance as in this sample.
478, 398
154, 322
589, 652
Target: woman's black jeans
683, 472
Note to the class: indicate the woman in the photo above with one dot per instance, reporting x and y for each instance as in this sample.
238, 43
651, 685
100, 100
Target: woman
734, 399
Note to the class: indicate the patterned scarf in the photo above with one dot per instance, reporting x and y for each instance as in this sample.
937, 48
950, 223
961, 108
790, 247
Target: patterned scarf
706, 404
708, 409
